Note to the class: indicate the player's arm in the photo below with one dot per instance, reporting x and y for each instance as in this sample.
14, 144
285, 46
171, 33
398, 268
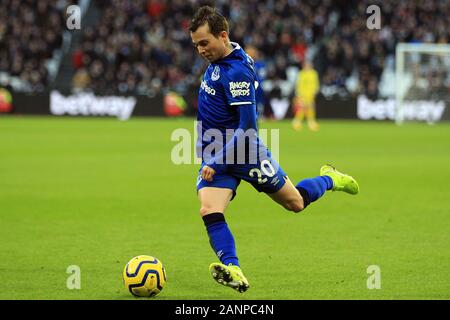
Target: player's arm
247, 120
244, 100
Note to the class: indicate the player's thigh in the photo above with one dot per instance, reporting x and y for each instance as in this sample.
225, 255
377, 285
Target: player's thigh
214, 199
289, 197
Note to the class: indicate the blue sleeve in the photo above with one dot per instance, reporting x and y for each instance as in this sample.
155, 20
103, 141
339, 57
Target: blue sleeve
240, 88
247, 117
239, 85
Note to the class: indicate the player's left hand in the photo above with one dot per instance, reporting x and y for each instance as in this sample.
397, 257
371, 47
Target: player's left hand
208, 173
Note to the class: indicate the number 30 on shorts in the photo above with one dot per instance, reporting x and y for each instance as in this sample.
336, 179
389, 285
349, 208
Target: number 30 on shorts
266, 169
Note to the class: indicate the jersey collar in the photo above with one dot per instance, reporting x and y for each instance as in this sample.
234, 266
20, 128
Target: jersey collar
233, 53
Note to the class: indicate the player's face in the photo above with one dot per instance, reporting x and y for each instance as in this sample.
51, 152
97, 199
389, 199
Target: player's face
208, 46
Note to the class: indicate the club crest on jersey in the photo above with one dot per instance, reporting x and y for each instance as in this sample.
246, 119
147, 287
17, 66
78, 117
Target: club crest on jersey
216, 74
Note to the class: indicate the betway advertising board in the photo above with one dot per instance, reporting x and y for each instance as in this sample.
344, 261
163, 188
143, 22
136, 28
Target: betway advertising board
87, 104
123, 107
419, 110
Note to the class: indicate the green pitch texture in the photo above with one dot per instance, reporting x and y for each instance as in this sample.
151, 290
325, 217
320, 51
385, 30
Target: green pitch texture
97, 192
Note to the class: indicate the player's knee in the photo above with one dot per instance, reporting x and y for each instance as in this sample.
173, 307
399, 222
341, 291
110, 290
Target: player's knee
205, 210
295, 205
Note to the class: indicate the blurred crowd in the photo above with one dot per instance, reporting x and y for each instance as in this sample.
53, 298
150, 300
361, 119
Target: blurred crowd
30, 32
143, 46
352, 57
138, 47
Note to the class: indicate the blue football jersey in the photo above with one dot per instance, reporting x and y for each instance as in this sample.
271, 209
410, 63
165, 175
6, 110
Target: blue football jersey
227, 84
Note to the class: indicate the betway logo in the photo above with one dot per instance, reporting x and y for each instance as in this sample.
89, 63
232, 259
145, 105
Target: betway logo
88, 104
421, 110
207, 88
240, 88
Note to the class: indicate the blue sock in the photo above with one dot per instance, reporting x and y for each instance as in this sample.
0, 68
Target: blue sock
220, 238
313, 188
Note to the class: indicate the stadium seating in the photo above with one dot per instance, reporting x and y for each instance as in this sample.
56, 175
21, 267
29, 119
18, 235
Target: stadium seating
31, 37
143, 47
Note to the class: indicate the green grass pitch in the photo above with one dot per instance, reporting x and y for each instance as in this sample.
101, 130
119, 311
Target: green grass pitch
97, 192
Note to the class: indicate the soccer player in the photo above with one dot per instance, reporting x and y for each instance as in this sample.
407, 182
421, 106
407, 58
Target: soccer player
227, 121
306, 89
260, 70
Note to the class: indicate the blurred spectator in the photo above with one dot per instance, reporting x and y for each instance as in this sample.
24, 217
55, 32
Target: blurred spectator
260, 68
81, 81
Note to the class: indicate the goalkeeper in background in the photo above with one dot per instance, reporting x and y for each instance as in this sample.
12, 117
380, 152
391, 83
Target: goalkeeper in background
306, 89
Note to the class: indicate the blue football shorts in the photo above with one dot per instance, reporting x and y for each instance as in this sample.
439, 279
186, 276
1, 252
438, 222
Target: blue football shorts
265, 176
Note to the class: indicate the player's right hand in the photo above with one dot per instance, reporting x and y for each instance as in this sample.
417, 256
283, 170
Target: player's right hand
208, 173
